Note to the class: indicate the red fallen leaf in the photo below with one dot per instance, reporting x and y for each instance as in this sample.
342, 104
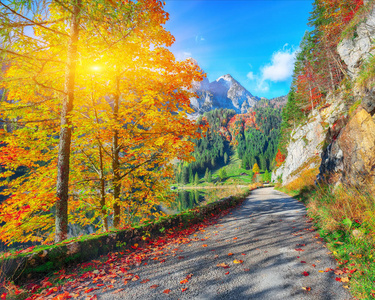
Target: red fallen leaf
226, 273
135, 278
154, 286
145, 280
89, 290
235, 238
183, 290
100, 284
93, 298
167, 291
246, 270
305, 273
243, 253
181, 257
3, 296
230, 254
314, 265
328, 269
338, 279
308, 289
223, 265
117, 291
204, 245
299, 249
189, 276
163, 260
303, 262
184, 281
352, 271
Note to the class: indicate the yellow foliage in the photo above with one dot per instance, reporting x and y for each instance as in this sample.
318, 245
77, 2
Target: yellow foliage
307, 177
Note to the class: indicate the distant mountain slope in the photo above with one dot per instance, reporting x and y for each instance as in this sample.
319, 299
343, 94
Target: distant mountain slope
224, 92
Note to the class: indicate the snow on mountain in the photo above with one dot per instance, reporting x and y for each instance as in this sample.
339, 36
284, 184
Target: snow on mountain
224, 92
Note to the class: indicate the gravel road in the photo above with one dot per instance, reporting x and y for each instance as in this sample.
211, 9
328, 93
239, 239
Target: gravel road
280, 253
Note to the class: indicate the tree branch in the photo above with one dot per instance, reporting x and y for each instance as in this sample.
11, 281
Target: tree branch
32, 22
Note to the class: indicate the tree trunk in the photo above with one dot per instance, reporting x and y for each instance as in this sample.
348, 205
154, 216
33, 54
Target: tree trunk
62, 189
102, 190
115, 161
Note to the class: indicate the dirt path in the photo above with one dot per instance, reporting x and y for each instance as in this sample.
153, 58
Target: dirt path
264, 249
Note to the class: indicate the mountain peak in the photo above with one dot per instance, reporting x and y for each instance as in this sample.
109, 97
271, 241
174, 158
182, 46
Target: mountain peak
226, 77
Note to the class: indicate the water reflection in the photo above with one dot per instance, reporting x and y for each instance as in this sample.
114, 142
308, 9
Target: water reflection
187, 199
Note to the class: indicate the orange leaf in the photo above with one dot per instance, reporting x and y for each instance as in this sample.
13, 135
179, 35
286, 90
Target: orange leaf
238, 261
223, 265
167, 291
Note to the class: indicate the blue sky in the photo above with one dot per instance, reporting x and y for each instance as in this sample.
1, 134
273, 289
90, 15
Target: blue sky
253, 40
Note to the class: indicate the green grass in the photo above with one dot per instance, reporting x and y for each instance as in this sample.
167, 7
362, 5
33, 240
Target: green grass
234, 171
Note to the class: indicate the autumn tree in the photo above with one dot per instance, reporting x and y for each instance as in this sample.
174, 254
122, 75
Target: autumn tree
280, 158
256, 169
132, 113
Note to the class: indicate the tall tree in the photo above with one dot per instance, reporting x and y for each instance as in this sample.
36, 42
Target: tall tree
127, 40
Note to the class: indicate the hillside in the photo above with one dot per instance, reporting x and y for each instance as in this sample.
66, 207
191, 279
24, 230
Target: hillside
248, 139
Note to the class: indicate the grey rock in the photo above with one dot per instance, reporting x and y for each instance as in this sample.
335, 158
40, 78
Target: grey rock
356, 51
368, 101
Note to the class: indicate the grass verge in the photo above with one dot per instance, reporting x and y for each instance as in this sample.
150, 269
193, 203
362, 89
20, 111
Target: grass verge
345, 218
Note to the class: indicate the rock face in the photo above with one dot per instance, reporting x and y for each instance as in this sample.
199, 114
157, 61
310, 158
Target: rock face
352, 154
339, 134
307, 141
355, 51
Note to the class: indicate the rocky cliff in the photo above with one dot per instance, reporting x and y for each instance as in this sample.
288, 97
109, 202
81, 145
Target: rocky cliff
337, 141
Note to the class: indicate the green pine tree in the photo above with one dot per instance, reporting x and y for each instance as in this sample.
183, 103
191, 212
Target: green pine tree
206, 175
209, 177
185, 176
223, 174
196, 179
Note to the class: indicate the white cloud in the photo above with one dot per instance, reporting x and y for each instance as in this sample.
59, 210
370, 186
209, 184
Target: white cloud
281, 66
250, 75
262, 86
